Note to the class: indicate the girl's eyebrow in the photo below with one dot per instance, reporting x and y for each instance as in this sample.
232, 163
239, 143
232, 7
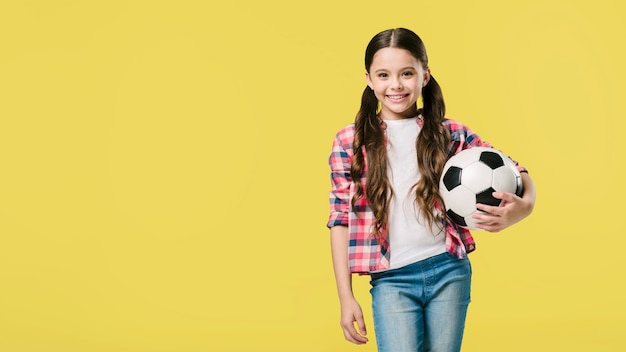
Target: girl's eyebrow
402, 69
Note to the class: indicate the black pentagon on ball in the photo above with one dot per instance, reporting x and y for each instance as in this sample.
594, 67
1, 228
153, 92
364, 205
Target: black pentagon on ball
456, 218
485, 197
491, 159
452, 178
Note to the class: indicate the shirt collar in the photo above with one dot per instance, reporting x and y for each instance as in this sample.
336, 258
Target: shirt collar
419, 120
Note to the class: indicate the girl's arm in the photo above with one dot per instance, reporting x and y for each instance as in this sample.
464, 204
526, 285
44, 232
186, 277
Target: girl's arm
350, 309
512, 210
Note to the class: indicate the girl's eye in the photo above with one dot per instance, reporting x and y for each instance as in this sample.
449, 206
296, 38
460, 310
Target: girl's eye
407, 74
382, 75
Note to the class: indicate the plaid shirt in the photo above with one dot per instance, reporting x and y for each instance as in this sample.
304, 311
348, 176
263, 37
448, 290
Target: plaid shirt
365, 253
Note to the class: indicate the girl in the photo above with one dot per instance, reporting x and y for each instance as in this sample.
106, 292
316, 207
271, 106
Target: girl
387, 217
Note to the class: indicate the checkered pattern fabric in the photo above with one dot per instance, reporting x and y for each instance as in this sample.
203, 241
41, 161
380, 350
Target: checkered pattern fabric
365, 253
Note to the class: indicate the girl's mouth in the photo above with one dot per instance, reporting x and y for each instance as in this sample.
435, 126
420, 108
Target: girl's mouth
397, 97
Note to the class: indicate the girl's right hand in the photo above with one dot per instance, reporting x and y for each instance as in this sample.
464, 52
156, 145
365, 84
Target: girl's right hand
350, 309
351, 313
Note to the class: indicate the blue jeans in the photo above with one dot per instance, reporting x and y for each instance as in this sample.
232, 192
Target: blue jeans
422, 306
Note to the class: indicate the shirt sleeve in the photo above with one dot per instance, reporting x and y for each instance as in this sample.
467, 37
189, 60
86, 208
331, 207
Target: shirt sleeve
340, 162
462, 137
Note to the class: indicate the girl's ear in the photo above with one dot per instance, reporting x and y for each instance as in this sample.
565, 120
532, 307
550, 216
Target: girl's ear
369, 80
426, 76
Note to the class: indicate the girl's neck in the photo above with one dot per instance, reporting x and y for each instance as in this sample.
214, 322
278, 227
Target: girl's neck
387, 115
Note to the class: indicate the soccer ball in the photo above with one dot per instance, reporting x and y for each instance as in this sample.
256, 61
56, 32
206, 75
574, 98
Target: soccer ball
470, 177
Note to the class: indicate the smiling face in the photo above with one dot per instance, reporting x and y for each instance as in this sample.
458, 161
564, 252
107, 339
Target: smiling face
397, 79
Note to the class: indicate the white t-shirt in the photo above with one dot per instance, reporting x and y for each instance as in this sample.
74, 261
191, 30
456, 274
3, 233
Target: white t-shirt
410, 238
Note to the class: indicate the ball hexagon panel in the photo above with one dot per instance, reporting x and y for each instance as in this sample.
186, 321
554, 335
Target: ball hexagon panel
467, 156
460, 200
470, 222
519, 188
477, 177
504, 180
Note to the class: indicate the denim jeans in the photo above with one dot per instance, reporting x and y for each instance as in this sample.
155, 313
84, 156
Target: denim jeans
422, 306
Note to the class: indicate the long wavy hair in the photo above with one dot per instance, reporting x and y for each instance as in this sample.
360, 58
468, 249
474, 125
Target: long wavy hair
431, 145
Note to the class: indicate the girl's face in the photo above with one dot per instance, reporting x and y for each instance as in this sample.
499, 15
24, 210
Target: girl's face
397, 79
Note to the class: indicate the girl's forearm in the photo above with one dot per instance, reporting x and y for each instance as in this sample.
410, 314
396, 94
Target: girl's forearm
339, 249
529, 190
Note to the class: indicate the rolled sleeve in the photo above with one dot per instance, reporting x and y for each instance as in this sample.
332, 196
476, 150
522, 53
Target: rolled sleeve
340, 162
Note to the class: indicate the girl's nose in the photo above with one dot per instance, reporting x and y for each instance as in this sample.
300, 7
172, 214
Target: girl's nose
397, 84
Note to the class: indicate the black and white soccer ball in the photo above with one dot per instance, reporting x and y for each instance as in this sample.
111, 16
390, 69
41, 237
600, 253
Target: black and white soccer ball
470, 177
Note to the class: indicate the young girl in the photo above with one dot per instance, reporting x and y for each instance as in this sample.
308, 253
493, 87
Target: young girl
387, 217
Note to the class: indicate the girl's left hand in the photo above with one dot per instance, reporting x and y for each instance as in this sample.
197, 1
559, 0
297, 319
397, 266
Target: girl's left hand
511, 210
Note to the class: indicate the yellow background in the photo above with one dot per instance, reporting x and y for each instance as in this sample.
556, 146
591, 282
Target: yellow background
163, 176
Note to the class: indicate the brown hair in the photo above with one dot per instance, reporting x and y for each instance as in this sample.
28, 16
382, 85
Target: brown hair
431, 144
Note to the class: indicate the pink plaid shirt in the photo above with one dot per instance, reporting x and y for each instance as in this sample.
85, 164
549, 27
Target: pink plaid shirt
365, 253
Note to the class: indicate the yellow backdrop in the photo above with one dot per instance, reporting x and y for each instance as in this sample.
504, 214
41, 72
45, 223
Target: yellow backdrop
163, 176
